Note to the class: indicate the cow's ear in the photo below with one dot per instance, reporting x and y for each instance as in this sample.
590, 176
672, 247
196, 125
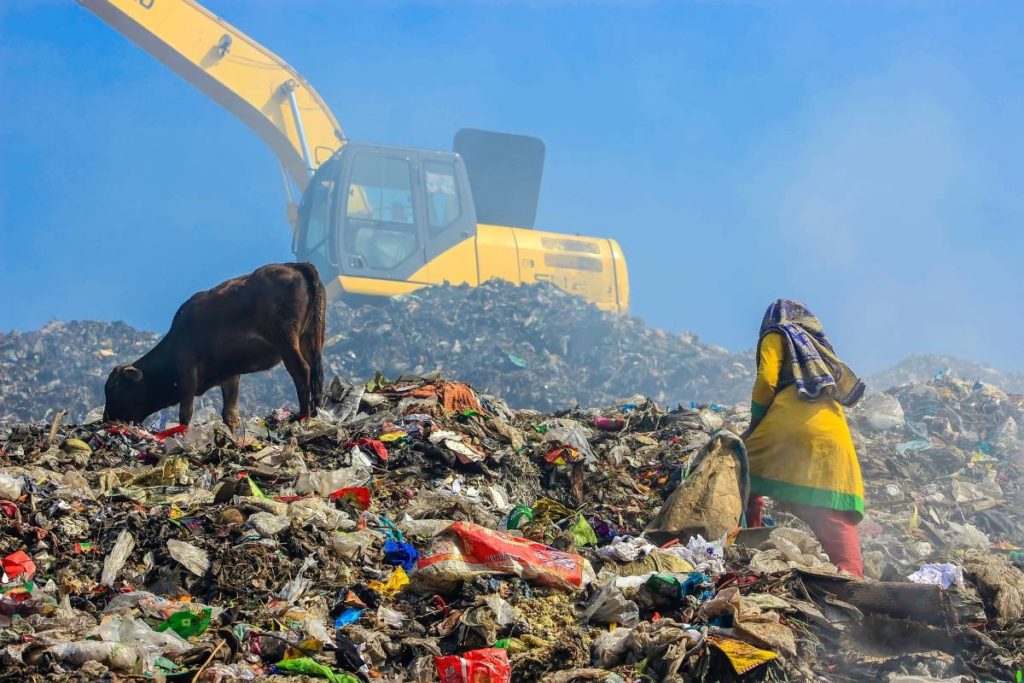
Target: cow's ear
132, 373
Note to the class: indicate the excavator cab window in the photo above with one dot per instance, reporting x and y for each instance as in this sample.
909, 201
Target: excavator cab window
315, 241
443, 206
397, 209
380, 218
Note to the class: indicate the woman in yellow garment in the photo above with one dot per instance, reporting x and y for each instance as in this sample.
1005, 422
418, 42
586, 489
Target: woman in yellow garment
798, 443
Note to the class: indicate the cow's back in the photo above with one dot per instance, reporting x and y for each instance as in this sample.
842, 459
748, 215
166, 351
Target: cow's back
236, 327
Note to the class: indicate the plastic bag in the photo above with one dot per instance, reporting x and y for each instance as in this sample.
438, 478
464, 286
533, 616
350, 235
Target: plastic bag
627, 548
320, 514
610, 647
113, 655
571, 435
610, 606
390, 617
296, 587
394, 585
115, 560
357, 496
186, 623
137, 635
965, 536
268, 525
788, 548
582, 533
944, 575
882, 412
190, 557
10, 487
464, 551
326, 482
305, 665
18, 564
352, 546
489, 665
399, 553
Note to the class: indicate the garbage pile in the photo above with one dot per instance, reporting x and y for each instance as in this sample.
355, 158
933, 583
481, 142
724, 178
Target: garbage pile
943, 461
926, 367
63, 367
417, 530
535, 346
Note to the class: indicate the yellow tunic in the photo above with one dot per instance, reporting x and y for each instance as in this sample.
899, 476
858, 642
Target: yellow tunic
801, 452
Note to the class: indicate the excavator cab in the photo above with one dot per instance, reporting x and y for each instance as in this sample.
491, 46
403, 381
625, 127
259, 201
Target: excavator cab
383, 213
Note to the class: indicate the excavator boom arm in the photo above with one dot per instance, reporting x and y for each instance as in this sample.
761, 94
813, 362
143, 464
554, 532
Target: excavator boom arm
235, 71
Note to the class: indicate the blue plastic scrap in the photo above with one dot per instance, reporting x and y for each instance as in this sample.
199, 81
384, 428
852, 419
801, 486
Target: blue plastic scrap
399, 553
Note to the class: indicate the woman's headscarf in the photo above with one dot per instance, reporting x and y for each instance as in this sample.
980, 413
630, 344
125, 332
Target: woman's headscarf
814, 367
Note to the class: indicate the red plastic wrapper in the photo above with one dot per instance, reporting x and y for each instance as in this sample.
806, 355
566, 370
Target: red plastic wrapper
19, 564
358, 496
563, 455
172, 431
610, 424
372, 444
465, 550
489, 665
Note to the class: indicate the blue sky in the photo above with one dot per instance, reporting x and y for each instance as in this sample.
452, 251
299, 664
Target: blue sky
863, 156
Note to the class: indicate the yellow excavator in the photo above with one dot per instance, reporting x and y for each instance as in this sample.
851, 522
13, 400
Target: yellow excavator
378, 220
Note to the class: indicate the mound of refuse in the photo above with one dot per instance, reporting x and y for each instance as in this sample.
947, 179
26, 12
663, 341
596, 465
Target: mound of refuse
945, 461
925, 367
534, 346
420, 530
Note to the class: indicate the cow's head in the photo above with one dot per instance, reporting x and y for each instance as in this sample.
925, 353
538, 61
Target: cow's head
125, 394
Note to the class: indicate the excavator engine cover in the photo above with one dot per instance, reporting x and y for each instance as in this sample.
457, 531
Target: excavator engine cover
504, 173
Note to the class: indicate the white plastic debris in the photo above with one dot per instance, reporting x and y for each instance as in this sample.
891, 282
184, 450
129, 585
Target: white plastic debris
188, 556
883, 412
945, 575
118, 556
268, 525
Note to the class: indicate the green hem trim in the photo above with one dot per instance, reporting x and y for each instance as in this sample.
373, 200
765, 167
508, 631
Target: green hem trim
757, 410
806, 495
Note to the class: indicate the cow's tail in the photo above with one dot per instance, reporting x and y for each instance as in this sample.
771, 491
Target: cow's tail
316, 329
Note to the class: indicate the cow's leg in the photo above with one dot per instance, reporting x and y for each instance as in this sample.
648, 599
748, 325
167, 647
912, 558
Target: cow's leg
187, 385
298, 368
229, 391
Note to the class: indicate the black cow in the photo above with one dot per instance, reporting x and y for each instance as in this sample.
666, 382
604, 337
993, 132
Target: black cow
247, 324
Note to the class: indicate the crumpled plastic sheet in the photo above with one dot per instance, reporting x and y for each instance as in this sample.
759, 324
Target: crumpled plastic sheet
788, 548
945, 574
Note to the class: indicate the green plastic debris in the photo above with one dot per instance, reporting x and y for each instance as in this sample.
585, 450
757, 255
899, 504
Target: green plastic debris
666, 585
165, 665
305, 665
502, 644
582, 532
186, 624
255, 489
519, 514
28, 587
378, 382
517, 361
